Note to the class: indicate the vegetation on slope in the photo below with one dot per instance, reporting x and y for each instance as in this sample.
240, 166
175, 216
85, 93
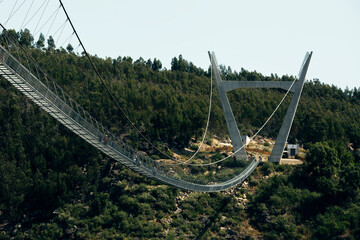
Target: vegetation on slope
55, 186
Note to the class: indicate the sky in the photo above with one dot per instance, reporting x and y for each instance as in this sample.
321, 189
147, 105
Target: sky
259, 35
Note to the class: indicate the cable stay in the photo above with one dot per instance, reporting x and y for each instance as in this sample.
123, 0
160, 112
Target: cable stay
41, 10
65, 110
27, 13
25, 74
257, 132
132, 124
252, 138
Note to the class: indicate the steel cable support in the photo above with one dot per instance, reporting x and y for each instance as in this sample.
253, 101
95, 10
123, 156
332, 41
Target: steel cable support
259, 130
44, 97
116, 102
12, 70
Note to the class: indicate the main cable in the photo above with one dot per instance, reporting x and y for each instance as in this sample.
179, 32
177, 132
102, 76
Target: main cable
207, 124
231, 155
111, 95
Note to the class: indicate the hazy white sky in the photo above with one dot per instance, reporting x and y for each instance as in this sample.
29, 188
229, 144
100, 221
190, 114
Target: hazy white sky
266, 36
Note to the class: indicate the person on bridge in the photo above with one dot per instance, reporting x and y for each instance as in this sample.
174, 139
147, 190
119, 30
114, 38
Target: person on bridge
106, 138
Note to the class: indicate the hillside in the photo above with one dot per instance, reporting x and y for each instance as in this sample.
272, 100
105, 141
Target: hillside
55, 186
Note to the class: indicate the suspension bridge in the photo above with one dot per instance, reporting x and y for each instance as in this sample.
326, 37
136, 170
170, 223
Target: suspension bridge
23, 72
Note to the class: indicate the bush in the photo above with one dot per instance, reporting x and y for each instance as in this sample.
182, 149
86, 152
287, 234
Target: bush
194, 147
267, 168
267, 149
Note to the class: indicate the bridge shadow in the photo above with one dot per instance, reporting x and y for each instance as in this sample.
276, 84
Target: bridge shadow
214, 218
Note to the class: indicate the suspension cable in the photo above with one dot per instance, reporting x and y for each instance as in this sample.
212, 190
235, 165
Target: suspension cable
134, 126
68, 40
42, 14
27, 13
15, 11
109, 92
231, 155
208, 120
10, 15
64, 25
47, 21
52, 23
31, 18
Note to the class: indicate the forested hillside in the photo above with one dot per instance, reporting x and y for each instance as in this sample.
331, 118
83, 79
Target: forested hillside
53, 185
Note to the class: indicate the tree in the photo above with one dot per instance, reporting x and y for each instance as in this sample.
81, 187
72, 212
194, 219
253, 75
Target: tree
13, 187
149, 63
9, 35
69, 48
315, 126
25, 38
51, 43
174, 64
156, 65
179, 64
41, 41
323, 168
354, 131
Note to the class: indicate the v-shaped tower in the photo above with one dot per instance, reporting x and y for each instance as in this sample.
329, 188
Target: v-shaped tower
235, 136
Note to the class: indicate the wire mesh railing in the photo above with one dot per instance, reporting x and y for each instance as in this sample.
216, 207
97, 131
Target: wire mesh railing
87, 127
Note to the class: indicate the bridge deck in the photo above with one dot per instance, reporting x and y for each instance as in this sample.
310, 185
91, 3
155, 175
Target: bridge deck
92, 132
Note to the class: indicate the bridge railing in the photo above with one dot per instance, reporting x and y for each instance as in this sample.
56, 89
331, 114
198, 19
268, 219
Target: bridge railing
57, 97
53, 93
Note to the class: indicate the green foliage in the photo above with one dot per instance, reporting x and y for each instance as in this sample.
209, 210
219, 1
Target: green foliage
59, 187
14, 186
331, 170
194, 147
266, 149
323, 166
51, 43
69, 48
317, 198
48, 231
156, 65
25, 38
354, 131
41, 41
267, 168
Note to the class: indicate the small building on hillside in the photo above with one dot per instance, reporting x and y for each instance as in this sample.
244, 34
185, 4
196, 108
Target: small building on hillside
293, 149
245, 139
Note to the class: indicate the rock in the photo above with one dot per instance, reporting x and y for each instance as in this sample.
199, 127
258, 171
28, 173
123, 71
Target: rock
166, 220
178, 210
